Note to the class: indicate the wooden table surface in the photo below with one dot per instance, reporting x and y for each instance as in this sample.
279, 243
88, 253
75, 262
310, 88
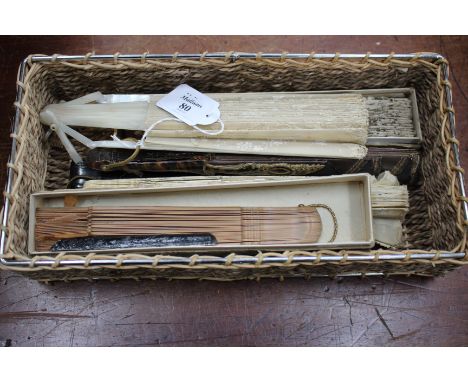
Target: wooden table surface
318, 312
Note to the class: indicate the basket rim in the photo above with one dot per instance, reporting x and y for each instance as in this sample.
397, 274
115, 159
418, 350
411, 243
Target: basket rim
266, 258
231, 56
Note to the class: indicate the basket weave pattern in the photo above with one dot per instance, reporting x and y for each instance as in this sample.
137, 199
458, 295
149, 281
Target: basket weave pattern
434, 223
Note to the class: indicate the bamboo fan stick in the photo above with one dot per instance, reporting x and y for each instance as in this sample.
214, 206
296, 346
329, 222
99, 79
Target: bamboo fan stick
389, 199
229, 225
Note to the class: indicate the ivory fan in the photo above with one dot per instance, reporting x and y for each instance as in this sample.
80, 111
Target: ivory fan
290, 124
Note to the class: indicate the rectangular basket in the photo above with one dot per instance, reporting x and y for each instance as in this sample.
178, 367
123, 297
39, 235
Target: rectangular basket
435, 227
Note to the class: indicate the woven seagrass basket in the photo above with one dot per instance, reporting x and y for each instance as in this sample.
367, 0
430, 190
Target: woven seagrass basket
435, 227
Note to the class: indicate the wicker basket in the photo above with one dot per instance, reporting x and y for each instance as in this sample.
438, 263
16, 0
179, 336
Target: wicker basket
435, 227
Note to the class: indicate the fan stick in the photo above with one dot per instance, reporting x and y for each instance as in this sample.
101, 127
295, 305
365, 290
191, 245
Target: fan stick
229, 225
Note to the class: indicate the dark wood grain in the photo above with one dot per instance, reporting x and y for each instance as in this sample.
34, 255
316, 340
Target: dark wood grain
319, 312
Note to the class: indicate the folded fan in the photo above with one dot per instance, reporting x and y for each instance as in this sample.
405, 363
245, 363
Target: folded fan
292, 124
389, 199
229, 225
278, 116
